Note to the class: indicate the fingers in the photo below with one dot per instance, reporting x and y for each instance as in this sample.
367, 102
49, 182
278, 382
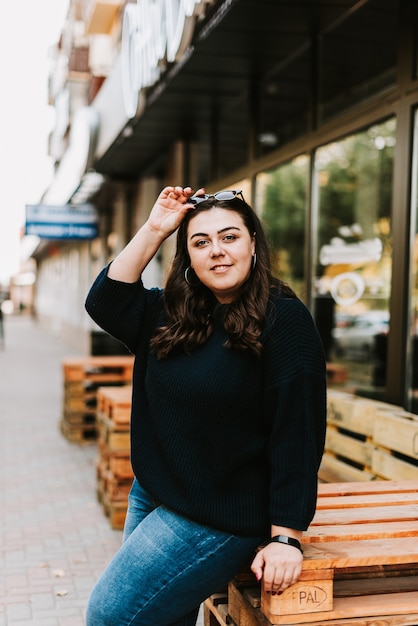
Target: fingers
278, 566
277, 579
257, 566
177, 194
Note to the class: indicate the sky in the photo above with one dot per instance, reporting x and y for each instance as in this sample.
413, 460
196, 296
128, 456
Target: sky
27, 29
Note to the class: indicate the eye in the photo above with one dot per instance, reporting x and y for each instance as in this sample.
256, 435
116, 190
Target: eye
230, 237
200, 243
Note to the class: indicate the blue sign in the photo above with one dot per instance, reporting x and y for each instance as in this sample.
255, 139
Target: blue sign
61, 222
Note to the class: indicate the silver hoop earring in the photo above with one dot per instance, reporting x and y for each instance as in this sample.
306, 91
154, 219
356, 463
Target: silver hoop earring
254, 259
186, 278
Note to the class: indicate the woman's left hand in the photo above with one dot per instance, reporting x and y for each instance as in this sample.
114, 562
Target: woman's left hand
279, 565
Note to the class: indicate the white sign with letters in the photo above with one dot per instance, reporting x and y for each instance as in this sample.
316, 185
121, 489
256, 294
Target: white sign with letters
153, 32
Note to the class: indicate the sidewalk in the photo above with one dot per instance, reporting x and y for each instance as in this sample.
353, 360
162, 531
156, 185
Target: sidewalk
54, 537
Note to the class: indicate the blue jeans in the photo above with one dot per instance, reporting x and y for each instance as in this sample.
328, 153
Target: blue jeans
166, 567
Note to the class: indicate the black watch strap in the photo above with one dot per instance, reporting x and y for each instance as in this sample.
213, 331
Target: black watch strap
290, 541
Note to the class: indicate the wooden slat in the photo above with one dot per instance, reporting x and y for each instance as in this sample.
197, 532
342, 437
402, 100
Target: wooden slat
387, 466
397, 430
368, 500
365, 515
374, 586
341, 554
352, 412
383, 606
354, 532
348, 447
376, 486
335, 470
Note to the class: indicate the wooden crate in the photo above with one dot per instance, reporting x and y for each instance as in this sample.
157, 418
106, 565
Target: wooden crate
360, 564
83, 377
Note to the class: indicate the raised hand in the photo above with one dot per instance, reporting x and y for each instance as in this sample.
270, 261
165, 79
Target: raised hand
170, 209
166, 216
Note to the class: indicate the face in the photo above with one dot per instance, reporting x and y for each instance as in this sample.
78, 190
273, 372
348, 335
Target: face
221, 251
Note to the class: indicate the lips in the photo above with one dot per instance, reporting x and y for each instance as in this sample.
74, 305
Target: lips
220, 268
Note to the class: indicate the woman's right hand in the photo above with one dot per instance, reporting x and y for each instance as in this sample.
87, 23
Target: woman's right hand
166, 216
170, 209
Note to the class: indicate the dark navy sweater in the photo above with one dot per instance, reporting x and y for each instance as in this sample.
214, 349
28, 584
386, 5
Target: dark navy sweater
224, 438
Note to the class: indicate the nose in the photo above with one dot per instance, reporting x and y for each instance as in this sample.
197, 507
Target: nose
216, 249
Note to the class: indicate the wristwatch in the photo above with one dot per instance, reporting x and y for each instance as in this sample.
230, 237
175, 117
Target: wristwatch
290, 541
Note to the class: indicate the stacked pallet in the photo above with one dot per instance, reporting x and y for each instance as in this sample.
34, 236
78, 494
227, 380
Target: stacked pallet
114, 471
368, 440
82, 379
360, 565
395, 438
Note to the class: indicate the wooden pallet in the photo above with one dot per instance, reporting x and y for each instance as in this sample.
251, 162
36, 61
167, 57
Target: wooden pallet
78, 397
99, 369
112, 493
114, 470
116, 489
83, 417
78, 433
83, 379
355, 441
360, 564
395, 437
115, 404
118, 462
116, 437
115, 510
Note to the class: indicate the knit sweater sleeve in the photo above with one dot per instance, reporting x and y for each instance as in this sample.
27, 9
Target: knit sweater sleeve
122, 309
295, 409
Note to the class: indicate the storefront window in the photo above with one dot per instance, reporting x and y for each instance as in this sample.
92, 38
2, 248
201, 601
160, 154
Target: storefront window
281, 202
413, 369
351, 285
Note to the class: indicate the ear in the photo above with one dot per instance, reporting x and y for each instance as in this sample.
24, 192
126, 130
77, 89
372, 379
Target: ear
253, 244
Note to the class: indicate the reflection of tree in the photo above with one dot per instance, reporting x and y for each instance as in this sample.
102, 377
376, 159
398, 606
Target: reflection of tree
355, 189
284, 218
355, 181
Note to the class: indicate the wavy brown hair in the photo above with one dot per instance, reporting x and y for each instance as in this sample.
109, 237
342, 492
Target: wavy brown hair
190, 310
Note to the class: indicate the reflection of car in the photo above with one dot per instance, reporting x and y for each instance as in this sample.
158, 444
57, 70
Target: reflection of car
356, 338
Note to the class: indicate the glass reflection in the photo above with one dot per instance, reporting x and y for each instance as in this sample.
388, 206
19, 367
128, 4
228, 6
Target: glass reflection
351, 286
281, 202
413, 369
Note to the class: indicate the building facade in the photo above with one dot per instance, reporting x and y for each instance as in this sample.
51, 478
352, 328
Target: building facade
309, 107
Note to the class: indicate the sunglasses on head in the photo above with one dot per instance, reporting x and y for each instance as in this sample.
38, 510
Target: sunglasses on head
222, 196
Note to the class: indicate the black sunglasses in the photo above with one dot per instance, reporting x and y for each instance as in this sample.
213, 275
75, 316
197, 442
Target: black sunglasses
222, 196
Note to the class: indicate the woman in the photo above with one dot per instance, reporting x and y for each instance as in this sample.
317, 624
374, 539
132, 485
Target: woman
228, 413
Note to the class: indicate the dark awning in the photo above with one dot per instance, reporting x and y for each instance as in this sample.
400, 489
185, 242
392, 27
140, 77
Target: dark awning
262, 62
